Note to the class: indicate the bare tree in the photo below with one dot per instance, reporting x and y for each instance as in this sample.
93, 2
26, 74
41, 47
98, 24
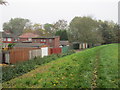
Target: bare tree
3, 2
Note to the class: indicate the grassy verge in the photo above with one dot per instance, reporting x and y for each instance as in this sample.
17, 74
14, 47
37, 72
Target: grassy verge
19, 69
74, 71
108, 67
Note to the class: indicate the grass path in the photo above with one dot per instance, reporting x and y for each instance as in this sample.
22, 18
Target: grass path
91, 68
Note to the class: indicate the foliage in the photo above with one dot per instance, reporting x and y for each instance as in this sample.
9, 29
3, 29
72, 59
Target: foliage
15, 25
11, 45
60, 25
18, 69
53, 28
84, 29
75, 71
63, 34
116, 30
48, 27
108, 31
36, 28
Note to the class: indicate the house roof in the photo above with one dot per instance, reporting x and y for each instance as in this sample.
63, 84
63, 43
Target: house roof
28, 45
28, 35
64, 43
50, 37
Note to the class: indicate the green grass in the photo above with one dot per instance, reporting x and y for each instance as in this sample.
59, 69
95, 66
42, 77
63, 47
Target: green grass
74, 71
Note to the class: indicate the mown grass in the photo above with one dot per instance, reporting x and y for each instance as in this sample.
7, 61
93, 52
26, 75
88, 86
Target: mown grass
74, 71
108, 67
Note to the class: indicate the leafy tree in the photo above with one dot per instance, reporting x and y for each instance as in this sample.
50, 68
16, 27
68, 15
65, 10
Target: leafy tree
48, 27
15, 25
63, 34
36, 28
108, 32
117, 33
84, 29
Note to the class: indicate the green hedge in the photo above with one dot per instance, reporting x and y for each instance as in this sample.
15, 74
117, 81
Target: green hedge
19, 69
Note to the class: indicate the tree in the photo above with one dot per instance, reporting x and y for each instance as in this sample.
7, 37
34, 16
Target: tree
108, 32
48, 27
117, 33
15, 25
60, 25
36, 29
84, 29
63, 34
3, 2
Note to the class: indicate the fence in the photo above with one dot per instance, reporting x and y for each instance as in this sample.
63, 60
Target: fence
23, 54
40, 52
65, 49
34, 53
19, 54
55, 51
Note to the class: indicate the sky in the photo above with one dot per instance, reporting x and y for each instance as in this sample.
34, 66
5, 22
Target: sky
50, 11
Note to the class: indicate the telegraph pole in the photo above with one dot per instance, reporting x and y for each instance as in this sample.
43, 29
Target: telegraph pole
119, 13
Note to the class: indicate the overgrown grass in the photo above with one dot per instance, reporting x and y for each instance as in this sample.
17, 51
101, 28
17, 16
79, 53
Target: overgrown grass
74, 71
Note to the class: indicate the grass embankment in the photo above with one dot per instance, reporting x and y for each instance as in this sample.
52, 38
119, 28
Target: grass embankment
92, 68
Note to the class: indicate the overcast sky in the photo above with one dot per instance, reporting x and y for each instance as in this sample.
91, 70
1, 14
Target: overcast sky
50, 11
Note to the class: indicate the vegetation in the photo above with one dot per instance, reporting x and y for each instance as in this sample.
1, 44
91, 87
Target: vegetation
15, 25
80, 29
91, 31
11, 45
84, 29
63, 34
93, 68
18, 69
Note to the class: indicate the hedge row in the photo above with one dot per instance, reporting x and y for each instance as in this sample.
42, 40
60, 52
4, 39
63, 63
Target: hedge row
19, 69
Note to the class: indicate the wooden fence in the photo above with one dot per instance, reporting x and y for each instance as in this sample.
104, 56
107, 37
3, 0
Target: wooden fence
16, 55
55, 51
19, 54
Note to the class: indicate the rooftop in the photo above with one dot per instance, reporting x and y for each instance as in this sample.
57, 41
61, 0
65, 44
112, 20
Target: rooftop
28, 35
50, 37
28, 45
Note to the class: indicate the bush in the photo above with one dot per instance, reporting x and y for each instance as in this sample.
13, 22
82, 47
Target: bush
18, 69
